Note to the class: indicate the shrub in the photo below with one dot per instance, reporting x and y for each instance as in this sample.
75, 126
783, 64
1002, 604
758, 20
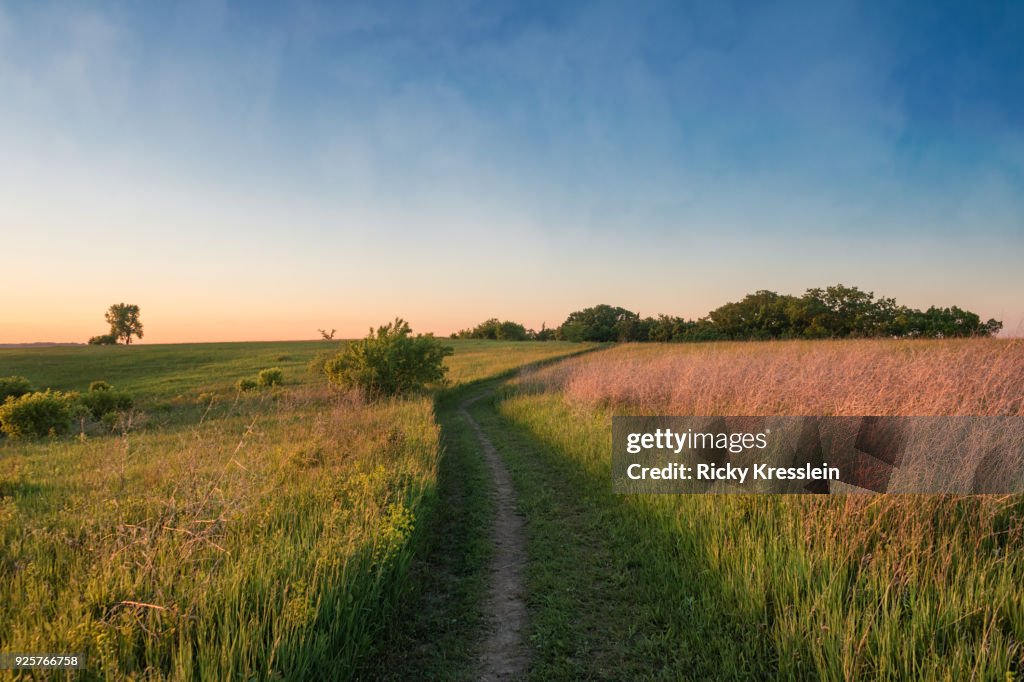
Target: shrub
246, 384
111, 421
103, 340
34, 415
270, 377
102, 399
390, 361
318, 365
13, 387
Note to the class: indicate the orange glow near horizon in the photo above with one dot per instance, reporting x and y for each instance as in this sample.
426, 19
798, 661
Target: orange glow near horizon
24, 323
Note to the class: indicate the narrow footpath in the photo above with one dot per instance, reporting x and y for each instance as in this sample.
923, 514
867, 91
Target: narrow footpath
503, 652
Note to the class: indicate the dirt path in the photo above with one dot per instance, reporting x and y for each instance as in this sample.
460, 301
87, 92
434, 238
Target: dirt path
503, 654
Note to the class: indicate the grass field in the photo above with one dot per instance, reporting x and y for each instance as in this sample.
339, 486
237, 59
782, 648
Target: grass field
220, 534
745, 587
302, 533
170, 371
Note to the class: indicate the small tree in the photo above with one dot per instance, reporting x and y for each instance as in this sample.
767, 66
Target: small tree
124, 321
390, 361
327, 336
544, 334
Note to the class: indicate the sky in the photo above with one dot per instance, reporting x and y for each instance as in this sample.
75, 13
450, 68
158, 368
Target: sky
250, 171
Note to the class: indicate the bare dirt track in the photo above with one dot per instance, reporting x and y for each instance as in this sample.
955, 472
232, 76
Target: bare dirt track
503, 653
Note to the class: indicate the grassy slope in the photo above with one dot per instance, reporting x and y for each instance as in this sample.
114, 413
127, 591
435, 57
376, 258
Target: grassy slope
171, 370
274, 531
158, 371
619, 586
664, 587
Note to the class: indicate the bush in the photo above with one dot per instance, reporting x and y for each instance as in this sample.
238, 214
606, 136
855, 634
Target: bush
34, 415
103, 340
270, 377
102, 399
318, 365
111, 421
13, 387
246, 384
390, 361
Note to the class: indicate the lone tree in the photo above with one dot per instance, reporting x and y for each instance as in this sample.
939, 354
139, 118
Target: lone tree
124, 321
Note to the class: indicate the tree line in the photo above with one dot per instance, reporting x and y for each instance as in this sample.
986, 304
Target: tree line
498, 330
834, 312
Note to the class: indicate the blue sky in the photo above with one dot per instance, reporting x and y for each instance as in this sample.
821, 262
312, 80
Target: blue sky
257, 171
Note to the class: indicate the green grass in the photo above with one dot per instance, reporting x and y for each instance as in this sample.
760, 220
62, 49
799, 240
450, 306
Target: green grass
587, 618
295, 532
747, 587
231, 536
171, 371
476, 359
276, 535
436, 639
439, 634
158, 371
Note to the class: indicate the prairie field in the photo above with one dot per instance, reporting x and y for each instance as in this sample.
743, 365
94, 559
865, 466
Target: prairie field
764, 587
299, 532
718, 361
980, 377
219, 534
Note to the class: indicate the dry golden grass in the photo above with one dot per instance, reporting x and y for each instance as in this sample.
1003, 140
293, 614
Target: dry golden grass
803, 587
982, 377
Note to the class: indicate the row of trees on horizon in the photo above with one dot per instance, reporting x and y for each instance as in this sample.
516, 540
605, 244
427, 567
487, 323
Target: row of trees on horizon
830, 313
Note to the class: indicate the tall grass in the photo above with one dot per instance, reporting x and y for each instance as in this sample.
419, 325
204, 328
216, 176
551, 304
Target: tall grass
220, 535
267, 538
858, 377
847, 587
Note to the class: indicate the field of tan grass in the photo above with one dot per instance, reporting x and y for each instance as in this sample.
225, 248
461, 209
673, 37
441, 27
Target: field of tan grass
981, 377
788, 587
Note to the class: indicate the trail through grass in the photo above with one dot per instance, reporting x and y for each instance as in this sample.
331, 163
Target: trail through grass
747, 587
217, 534
597, 606
297, 532
503, 654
